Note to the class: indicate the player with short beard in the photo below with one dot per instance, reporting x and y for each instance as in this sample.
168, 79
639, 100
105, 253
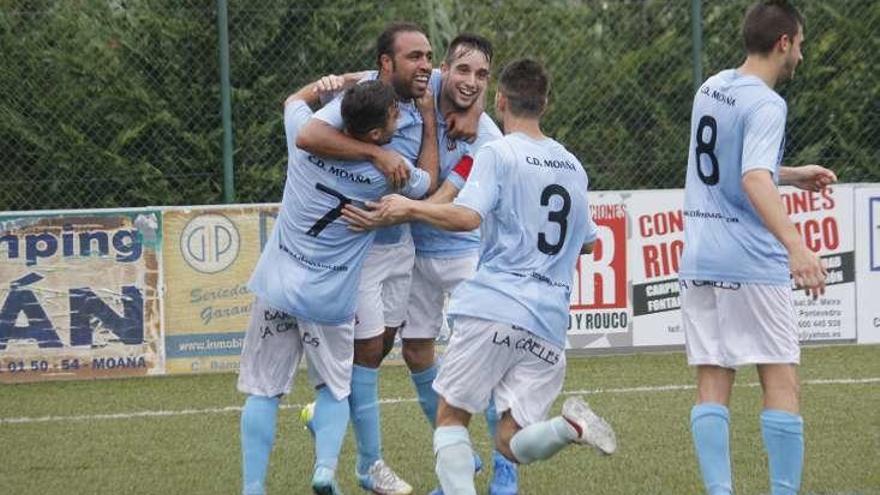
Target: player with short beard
404, 58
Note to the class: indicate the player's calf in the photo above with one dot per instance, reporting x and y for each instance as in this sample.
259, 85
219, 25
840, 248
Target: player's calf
577, 424
455, 467
419, 357
258, 420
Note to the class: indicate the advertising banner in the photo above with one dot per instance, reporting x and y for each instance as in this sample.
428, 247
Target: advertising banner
867, 226
601, 313
209, 254
80, 294
825, 221
656, 246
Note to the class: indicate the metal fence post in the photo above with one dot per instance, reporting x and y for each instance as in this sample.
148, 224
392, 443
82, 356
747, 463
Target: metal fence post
226, 102
697, 42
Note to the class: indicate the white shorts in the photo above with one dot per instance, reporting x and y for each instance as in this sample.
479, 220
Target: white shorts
384, 289
731, 324
484, 358
433, 280
274, 345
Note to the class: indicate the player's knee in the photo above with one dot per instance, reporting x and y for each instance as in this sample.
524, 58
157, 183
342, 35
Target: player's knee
413, 358
418, 355
369, 359
369, 353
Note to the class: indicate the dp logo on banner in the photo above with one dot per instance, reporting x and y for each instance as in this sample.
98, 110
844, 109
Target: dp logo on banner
210, 243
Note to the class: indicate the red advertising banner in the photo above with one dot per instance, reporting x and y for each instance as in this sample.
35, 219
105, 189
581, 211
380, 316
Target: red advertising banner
600, 310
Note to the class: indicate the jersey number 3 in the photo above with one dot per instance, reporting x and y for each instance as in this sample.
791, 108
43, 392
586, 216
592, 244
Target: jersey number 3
707, 148
559, 216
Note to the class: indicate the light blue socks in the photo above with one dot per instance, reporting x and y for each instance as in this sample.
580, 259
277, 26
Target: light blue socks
257, 437
364, 406
492, 418
710, 426
784, 440
329, 424
542, 440
455, 460
423, 381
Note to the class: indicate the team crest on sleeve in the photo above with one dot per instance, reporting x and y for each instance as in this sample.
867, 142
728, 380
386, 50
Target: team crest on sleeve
451, 144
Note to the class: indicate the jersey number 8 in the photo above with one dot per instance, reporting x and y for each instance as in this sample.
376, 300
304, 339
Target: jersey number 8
707, 148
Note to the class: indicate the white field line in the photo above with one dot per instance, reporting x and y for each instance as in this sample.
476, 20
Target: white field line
398, 400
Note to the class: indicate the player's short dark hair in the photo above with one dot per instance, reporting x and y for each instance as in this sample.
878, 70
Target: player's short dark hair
365, 106
470, 42
385, 41
765, 22
526, 85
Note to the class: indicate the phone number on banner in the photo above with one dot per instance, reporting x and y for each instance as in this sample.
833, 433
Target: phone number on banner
71, 365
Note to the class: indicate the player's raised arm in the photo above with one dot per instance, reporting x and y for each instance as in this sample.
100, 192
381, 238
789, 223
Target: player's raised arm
807, 177
324, 139
319, 92
429, 154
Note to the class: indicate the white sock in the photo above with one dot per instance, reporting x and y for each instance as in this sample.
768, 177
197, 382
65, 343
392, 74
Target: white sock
542, 440
455, 460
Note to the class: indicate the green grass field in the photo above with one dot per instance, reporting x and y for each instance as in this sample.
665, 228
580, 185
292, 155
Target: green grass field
180, 434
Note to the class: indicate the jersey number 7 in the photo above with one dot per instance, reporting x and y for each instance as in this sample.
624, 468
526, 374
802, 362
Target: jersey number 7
331, 215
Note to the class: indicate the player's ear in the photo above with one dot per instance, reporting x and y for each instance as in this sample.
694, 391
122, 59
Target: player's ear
500, 101
784, 43
386, 63
374, 135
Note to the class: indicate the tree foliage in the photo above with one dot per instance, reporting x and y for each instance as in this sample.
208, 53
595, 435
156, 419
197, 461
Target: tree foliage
116, 103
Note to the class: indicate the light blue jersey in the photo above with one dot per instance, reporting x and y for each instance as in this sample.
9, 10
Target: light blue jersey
737, 125
310, 267
532, 198
430, 241
407, 140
